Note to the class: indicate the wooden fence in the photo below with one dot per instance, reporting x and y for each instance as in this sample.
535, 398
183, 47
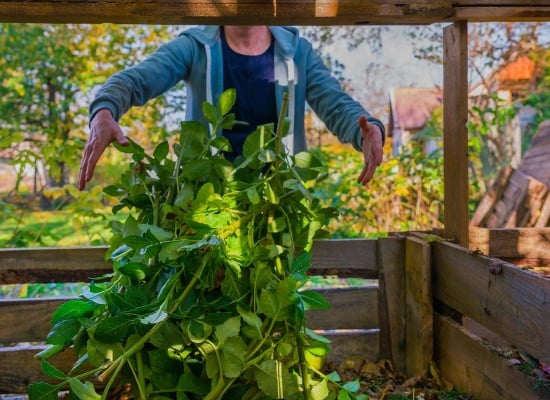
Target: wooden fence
393, 318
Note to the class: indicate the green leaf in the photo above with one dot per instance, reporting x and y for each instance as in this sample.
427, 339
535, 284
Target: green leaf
198, 331
51, 371
188, 382
161, 151
253, 195
227, 100
195, 169
112, 329
72, 309
134, 270
266, 375
343, 395
229, 328
43, 391
50, 351
233, 356
210, 113
155, 317
314, 300
157, 232
270, 194
320, 391
84, 391
137, 242
249, 317
193, 140
63, 332
268, 303
115, 190
221, 142
352, 386
277, 225
307, 159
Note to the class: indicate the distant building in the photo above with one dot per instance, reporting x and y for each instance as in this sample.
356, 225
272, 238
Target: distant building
410, 109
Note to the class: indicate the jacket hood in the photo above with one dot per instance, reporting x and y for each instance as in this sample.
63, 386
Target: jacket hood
287, 37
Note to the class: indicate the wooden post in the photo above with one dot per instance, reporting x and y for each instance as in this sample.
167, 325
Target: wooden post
391, 261
455, 136
419, 307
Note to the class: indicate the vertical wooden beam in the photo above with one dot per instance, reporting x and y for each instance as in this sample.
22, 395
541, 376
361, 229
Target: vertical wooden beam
419, 307
455, 134
391, 256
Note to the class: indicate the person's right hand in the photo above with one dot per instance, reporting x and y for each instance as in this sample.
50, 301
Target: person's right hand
103, 131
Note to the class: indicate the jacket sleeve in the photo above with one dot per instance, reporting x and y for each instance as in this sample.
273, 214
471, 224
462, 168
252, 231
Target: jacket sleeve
136, 85
337, 109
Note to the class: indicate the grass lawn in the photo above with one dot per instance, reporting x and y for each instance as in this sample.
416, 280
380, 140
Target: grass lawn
25, 228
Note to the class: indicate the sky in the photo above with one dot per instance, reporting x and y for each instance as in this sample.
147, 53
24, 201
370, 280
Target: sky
402, 69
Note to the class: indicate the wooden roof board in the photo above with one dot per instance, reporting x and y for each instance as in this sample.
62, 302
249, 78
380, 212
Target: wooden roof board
273, 12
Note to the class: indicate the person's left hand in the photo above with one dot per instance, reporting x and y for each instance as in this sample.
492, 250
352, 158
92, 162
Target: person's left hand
372, 149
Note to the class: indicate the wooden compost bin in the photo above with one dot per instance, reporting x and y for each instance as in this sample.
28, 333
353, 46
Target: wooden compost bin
390, 318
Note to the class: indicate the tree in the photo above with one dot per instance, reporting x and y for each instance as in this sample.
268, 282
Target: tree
491, 46
49, 73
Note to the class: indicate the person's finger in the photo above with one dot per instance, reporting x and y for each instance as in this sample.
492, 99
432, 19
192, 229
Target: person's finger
82, 171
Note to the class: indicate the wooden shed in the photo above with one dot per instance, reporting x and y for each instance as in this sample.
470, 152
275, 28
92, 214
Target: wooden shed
416, 274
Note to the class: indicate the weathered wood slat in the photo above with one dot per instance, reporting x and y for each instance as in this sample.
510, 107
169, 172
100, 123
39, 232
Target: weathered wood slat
391, 252
43, 265
19, 368
470, 366
345, 257
418, 307
492, 196
351, 308
510, 302
280, 12
356, 257
351, 344
28, 320
521, 12
511, 243
455, 137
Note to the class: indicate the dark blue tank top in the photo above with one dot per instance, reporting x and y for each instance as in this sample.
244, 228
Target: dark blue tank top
253, 79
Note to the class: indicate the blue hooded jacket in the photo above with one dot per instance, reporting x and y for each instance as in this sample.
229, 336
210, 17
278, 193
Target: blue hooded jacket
195, 57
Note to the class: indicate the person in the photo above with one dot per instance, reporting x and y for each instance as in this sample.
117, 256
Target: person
261, 63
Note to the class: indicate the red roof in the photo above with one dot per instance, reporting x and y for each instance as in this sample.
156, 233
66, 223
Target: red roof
521, 69
411, 107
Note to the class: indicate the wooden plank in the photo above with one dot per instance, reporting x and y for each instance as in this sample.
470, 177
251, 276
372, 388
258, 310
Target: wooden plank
544, 216
280, 12
392, 300
345, 258
455, 134
352, 344
19, 368
418, 307
351, 308
519, 12
505, 211
471, 367
492, 196
510, 302
43, 265
355, 257
26, 320
511, 243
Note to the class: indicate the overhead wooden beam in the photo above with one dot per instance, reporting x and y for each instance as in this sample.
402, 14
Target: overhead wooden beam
455, 134
273, 12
